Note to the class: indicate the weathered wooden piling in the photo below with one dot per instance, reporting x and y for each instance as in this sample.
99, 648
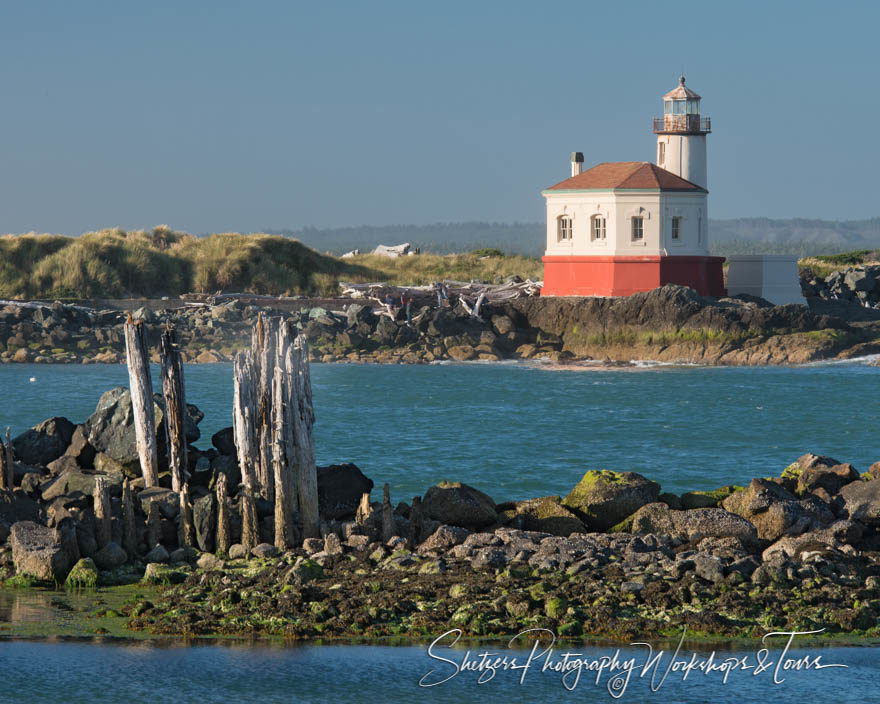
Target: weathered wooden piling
141, 386
223, 537
388, 530
175, 405
129, 525
250, 529
103, 517
304, 440
243, 414
416, 523
154, 526
186, 529
364, 509
5, 466
263, 349
283, 461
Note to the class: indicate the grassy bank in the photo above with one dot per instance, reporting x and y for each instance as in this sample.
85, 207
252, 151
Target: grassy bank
116, 263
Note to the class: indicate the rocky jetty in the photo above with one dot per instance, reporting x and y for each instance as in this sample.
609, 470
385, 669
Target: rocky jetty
616, 556
671, 323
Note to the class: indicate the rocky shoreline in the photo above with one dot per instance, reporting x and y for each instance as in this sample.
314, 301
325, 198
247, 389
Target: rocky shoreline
670, 324
616, 557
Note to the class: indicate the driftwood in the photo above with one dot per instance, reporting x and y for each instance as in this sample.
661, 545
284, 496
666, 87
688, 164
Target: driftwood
243, 414
175, 405
427, 295
129, 526
141, 386
263, 342
283, 459
154, 526
187, 530
103, 517
250, 530
364, 509
224, 540
304, 440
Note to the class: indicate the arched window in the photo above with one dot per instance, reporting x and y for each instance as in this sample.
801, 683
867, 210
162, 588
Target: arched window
563, 228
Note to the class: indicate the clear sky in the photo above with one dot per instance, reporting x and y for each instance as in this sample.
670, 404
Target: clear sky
221, 116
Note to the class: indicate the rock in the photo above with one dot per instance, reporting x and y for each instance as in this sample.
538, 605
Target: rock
305, 570
313, 545
340, 487
167, 500
63, 464
208, 562
604, 498
773, 510
224, 441
80, 449
265, 550
159, 574
15, 506
41, 552
157, 554
443, 539
204, 520
237, 551
44, 442
831, 479
84, 575
548, 515
110, 557
225, 464
861, 501
708, 567
834, 536
706, 499
80, 480
458, 504
332, 544
694, 525
184, 554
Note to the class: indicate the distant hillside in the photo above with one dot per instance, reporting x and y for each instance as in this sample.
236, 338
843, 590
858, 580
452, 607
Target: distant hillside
738, 236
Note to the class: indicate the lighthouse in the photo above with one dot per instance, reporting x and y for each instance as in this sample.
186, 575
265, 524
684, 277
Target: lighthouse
619, 228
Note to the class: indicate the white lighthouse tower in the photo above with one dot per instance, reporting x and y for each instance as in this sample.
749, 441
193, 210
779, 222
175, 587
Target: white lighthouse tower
681, 135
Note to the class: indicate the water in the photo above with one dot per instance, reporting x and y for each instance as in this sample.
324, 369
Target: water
519, 431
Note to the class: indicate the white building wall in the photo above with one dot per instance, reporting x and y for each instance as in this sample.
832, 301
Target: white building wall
693, 209
683, 155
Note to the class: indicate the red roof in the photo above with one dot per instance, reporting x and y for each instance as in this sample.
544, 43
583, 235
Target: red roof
626, 174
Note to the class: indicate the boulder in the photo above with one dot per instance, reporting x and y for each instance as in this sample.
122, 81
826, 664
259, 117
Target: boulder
204, 520
443, 539
79, 480
110, 557
458, 504
548, 515
224, 441
693, 525
63, 464
228, 465
80, 449
706, 499
157, 554
167, 500
831, 479
340, 487
43, 553
834, 536
84, 575
774, 511
237, 551
604, 498
265, 550
44, 442
861, 501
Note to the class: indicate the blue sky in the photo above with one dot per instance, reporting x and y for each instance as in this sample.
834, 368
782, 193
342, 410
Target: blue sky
222, 116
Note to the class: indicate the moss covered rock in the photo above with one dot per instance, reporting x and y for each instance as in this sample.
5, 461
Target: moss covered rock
84, 575
707, 499
548, 515
458, 504
604, 498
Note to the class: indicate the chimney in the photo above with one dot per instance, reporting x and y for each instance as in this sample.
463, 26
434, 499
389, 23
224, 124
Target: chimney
577, 163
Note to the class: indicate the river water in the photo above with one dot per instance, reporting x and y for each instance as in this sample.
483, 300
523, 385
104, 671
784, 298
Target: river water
514, 431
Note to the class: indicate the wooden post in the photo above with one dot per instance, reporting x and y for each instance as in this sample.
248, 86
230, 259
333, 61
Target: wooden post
223, 538
4, 472
303, 422
103, 517
187, 529
250, 530
243, 414
10, 464
416, 523
283, 460
129, 526
264, 358
388, 531
154, 526
138, 359
364, 509
175, 405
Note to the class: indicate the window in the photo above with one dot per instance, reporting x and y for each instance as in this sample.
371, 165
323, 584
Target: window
676, 227
638, 229
667, 107
662, 154
597, 228
563, 228
679, 107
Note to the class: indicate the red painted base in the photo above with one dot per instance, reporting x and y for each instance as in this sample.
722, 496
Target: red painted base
624, 276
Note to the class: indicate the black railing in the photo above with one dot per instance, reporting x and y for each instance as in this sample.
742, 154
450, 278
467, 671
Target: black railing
688, 124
